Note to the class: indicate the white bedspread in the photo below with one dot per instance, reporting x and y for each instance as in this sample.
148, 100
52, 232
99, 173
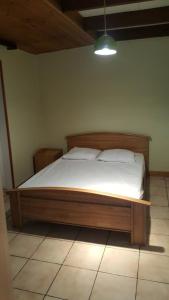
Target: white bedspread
123, 179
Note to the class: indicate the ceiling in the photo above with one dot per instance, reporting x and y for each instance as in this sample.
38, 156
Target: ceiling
39, 26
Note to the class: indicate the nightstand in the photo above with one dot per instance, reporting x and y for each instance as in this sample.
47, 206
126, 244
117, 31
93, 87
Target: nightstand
44, 157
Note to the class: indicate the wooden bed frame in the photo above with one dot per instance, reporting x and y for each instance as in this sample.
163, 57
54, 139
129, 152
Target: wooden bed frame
85, 207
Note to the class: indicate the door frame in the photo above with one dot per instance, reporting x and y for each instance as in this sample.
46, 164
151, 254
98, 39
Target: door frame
5, 266
7, 125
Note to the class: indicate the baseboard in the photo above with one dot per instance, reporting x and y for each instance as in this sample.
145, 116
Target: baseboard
159, 173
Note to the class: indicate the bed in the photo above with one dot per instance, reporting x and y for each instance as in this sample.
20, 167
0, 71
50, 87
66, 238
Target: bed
93, 204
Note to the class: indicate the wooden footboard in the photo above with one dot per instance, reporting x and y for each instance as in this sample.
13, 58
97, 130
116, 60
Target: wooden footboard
82, 208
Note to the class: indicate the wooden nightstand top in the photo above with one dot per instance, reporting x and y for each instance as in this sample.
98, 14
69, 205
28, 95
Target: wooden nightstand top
45, 156
47, 151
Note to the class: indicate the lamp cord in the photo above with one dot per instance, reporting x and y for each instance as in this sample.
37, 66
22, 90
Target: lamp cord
105, 21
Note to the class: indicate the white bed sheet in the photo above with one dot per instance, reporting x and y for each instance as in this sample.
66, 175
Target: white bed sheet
124, 179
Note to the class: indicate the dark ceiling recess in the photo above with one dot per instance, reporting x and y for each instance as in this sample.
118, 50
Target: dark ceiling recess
90, 4
8, 45
138, 32
129, 19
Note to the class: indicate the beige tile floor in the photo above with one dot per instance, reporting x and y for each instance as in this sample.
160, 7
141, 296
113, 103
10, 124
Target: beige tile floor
64, 262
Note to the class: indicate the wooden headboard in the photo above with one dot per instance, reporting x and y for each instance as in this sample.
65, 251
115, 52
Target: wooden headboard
111, 140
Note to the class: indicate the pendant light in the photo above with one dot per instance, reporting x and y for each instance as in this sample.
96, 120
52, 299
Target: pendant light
105, 45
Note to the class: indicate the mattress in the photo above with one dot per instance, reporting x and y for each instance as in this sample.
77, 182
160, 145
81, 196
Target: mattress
123, 179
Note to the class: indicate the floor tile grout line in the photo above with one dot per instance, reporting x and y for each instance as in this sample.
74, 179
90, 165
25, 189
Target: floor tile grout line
122, 247
152, 205
54, 298
46, 294
97, 272
119, 275
16, 288
63, 261
161, 255
43, 295
77, 241
149, 280
160, 218
152, 253
80, 268
13, 238
30, 234
137, 275
30, 257
166, 188
161, 234
20, 269
27, 260
37, 247
53, 263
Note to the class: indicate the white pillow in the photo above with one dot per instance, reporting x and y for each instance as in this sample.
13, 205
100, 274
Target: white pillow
117, 155
82, 153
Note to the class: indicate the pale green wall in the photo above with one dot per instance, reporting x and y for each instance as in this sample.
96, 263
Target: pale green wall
128, 92
22, 90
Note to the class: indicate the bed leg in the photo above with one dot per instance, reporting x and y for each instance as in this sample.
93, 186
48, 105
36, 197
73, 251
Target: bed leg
139, 224
16, 209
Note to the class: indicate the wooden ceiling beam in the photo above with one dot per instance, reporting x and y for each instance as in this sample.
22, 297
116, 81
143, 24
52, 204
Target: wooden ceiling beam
40, 26
91, 4
129, 19
139, 32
